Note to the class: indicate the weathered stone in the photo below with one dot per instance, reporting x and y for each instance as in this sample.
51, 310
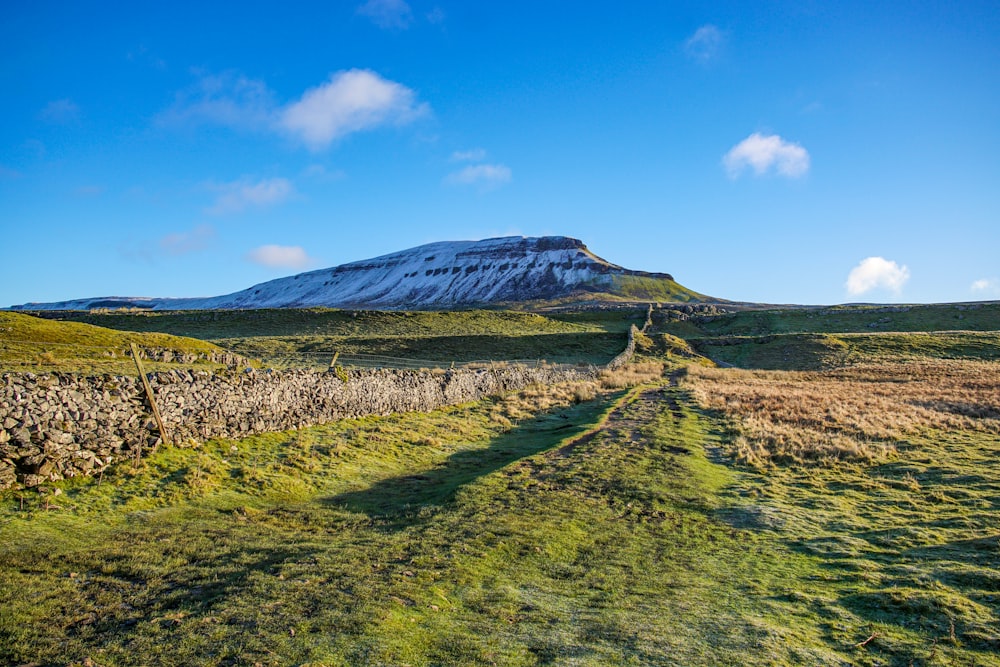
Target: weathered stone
8, 474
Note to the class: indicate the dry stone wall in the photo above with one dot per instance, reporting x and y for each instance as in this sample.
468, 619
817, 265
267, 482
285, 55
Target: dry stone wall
627, 353
56, 426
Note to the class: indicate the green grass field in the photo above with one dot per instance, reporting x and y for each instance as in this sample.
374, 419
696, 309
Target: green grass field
840, 319
550, 528
212, 325
309, 338
317, 351
817, 351
610, 532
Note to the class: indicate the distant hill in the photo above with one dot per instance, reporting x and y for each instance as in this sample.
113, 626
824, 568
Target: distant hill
435, 276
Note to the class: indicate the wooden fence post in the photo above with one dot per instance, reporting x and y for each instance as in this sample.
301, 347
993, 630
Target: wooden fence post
149, 394
496, 375
333, 362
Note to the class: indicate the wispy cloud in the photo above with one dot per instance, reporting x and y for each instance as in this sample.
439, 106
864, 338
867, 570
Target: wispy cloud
174, 244
436, 16
986, 286
245, 193
60, 112
228, 99
876, 272
486, 176
280, 256
8, 174
350, 101
321, 173
762, 153
387, 14
705, 45
182, 243
471, 155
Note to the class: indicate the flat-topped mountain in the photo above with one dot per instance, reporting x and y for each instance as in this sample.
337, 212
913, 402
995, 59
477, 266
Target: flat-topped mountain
436, 275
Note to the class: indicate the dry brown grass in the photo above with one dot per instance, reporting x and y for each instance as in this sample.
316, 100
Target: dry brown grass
631, 375
855, 412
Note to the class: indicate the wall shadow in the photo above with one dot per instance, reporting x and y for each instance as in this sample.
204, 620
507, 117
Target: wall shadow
395, 502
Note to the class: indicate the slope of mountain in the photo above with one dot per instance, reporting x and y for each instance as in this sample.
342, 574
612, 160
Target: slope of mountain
436, 275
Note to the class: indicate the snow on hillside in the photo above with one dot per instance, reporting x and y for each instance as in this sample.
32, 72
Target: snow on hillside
433, 275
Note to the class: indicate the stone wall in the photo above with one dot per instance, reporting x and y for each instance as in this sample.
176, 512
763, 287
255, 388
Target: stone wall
628, 352
56, 426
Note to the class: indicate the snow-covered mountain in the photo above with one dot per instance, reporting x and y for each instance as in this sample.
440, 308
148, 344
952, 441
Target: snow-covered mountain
436, 275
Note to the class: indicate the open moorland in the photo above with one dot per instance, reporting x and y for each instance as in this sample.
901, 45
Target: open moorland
765, 487
309, 338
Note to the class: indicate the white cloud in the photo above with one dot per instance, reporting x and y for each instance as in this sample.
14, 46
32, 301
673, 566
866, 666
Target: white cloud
60, 112
280, 256
874, 272
182, 243
350, 101
761, 153
238, 195
388, 14
986, 286
228, 99
472, 155
705, 44
487, 176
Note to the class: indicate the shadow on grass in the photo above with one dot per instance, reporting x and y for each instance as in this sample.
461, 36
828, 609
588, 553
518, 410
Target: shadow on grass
395, 502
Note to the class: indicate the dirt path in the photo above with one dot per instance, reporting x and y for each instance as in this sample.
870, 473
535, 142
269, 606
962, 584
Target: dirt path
636, 410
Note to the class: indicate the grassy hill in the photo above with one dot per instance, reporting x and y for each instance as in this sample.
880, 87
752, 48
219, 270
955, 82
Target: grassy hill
34, 344
625, 289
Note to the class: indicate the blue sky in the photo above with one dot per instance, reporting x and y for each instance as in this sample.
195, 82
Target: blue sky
784, 152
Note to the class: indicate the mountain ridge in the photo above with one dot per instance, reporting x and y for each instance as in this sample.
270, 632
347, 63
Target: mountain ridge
444, 274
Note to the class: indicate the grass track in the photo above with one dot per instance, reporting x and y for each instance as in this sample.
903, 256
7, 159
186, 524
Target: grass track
532, 546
